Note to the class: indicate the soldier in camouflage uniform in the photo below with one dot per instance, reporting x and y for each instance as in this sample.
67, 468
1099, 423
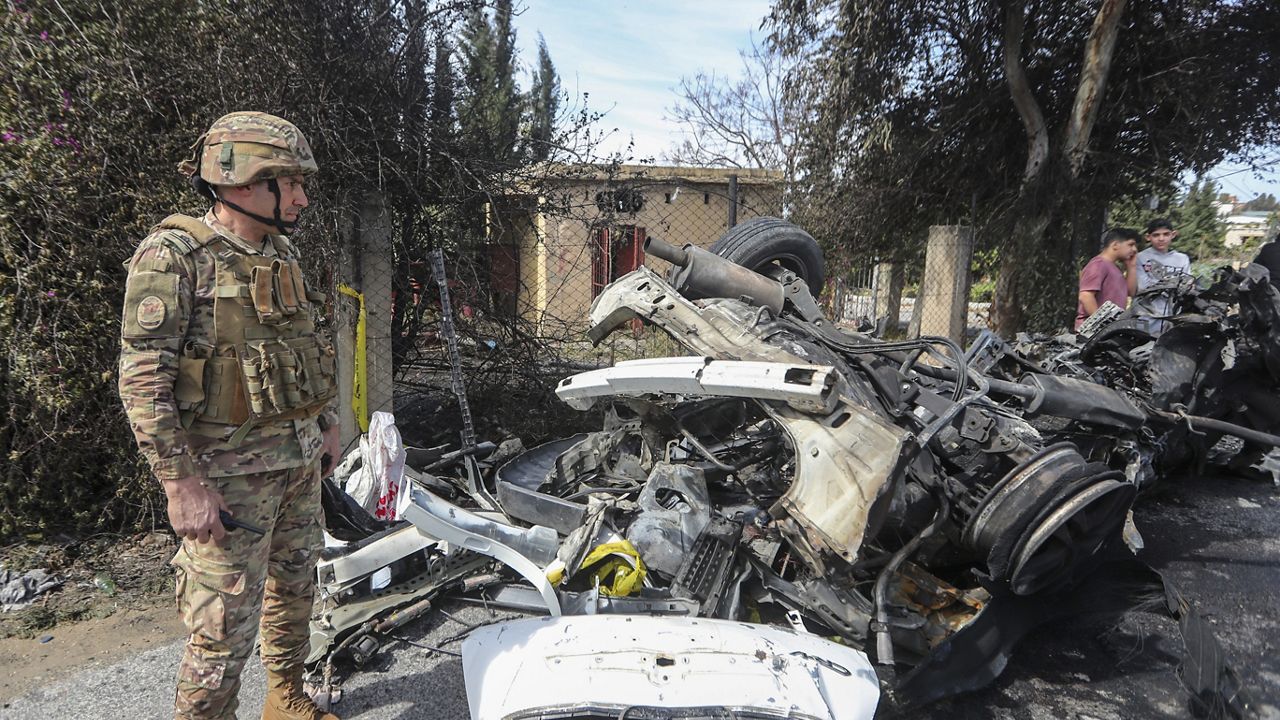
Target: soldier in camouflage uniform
228, 387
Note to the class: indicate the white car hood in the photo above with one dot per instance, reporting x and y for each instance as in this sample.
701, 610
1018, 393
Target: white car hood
604, 664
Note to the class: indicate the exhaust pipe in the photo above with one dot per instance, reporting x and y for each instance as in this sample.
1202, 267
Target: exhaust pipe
662, 249
697, 273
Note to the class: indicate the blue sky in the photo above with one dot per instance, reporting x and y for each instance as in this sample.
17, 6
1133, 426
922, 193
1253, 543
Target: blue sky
628, 56
1237, 179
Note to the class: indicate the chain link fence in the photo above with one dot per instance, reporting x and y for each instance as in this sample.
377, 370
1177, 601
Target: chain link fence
521, 298
946, 291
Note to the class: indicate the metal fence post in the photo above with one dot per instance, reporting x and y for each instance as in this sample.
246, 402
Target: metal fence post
733, 200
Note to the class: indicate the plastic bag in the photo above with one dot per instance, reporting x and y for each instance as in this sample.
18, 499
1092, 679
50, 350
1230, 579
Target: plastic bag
615, 567
380, 485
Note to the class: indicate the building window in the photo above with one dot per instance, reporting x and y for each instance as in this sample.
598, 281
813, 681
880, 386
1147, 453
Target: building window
615, 251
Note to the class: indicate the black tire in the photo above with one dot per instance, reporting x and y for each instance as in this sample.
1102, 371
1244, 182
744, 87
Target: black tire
763, 241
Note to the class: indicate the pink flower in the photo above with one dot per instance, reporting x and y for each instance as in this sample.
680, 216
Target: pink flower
44, 35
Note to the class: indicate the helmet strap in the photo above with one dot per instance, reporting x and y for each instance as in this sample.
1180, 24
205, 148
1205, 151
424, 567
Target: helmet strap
277, 222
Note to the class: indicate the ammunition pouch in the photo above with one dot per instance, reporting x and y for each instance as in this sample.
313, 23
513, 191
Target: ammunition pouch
286, 379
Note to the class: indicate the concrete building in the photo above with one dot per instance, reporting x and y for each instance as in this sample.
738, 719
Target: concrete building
1246, 227
551, 254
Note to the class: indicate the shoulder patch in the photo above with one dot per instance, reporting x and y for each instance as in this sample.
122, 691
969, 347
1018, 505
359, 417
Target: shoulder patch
152, 312
151, 306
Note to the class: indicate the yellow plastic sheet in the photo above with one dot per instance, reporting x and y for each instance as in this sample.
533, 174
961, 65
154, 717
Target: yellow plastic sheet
616, 566
359, 382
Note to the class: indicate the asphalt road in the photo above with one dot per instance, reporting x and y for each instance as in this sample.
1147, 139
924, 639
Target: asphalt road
1218, 540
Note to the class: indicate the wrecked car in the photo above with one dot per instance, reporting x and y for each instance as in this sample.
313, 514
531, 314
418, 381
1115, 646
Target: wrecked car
1199, 383
834, 521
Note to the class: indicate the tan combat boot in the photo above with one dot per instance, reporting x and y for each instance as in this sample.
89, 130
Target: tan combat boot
286, 700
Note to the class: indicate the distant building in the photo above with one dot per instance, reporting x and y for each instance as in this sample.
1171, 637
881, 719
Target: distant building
552, 254
1246, 227
1226, 205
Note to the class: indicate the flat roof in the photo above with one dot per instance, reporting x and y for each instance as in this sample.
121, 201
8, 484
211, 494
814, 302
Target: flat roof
659, 173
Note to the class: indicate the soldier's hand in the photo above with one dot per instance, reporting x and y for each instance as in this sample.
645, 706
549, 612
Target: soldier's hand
331, 449
193, 510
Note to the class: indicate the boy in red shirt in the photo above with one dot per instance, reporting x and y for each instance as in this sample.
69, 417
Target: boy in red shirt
1102, 280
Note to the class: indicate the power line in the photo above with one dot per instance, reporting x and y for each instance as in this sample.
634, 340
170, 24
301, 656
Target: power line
1251, 168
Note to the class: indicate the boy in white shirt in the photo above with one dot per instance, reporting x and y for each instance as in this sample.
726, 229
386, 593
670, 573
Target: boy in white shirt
1156, 263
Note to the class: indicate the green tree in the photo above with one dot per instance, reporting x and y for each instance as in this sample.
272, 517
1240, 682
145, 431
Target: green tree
1194, 213
1263, 203
490, 104
441, 119
1024, 118
1200, 230
544, 103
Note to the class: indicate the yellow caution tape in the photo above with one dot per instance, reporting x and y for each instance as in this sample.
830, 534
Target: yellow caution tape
359, 381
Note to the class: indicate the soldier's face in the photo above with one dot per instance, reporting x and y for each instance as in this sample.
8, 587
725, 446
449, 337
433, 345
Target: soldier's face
293, 196
257, 198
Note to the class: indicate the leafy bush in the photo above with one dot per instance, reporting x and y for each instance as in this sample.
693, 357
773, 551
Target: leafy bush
983, 290
101, 101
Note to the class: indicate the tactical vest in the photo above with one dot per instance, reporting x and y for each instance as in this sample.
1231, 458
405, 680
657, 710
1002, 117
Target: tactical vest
268, 362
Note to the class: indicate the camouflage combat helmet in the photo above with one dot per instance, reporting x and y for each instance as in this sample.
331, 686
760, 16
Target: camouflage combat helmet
244, 147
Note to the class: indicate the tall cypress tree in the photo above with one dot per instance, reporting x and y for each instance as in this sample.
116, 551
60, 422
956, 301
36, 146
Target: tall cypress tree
1200, 230
440, 117
490, 110
544, 102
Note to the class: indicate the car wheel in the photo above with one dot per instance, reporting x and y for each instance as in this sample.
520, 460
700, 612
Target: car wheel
764, 241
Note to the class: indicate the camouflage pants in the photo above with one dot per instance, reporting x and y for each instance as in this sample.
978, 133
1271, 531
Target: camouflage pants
221, 587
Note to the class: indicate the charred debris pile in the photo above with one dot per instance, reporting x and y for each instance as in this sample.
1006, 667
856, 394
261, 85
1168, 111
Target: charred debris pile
921, 504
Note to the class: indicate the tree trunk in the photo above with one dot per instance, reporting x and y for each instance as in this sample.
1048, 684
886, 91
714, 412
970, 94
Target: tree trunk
1021, 287
1037, 265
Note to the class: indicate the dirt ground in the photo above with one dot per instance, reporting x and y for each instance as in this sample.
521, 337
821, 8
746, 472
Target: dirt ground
116, 599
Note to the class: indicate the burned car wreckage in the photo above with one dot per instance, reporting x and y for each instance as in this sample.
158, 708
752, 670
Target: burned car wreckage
796, 520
